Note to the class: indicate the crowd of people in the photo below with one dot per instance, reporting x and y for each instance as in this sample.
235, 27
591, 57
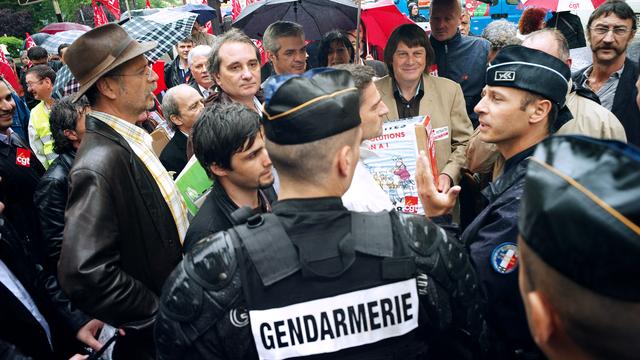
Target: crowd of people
527, 246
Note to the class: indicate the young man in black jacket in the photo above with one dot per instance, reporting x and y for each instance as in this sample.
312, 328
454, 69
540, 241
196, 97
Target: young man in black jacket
229, 143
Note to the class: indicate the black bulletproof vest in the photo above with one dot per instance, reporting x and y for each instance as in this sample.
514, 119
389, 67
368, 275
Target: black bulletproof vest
278, 271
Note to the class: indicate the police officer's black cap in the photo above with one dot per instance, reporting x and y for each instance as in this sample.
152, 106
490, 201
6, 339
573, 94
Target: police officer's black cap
531, 70
315, 105
581, 212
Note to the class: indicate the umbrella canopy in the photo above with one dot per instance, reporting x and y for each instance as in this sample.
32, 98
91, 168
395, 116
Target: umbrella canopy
205, 12
380, 19
63, 26
316, 16
164, 27
52, 42
563, 5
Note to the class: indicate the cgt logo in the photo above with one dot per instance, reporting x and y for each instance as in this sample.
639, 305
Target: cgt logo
502, 75
23, 157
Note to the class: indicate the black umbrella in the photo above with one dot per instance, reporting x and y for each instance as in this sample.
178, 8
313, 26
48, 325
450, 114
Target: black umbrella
316, 16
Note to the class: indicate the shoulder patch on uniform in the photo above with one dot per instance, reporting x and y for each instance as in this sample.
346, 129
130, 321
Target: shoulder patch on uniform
504, 258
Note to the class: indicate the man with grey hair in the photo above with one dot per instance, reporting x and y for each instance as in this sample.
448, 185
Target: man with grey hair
284, 43
181, 105
462, 59
234, 65
200, 78
500, 33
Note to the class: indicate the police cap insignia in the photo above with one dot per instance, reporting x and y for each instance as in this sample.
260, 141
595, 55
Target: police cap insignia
315, 105
537, 72
580, 212
504, 258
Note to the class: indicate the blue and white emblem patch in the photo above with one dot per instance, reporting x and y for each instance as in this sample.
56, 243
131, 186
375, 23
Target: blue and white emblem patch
504, 258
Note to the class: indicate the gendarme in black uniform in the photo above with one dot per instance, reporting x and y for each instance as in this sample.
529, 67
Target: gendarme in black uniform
313, 279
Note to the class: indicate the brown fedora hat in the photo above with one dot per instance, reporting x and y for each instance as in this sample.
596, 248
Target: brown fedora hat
99, 51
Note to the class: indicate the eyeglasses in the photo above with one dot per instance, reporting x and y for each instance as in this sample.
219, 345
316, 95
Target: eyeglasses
617, 30
30, 84
148, 71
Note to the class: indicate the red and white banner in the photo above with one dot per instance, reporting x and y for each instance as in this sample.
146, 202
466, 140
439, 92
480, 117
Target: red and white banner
29, 42
148, 5
3, 59
236, 9
113, 6
263, 54
99, 17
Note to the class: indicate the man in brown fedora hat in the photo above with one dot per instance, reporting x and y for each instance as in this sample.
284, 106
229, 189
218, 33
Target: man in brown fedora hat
125, 219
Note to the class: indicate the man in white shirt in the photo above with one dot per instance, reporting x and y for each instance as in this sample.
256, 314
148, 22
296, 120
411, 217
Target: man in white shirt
365, 194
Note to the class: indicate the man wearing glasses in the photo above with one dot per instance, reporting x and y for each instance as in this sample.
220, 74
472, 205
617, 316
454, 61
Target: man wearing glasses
610, 29
125, 219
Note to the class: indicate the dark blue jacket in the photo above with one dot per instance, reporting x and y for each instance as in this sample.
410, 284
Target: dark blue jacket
494, 227
20, 117
463, 59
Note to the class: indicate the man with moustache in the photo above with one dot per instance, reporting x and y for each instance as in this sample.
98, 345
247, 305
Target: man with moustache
125, 219
200, 78
234, 65
610, 29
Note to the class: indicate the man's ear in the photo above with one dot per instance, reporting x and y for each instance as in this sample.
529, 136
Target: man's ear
345, 160
216, 78
271, 56
218, 170
540, 109
107, 87
71, 135
543, 319
176, 120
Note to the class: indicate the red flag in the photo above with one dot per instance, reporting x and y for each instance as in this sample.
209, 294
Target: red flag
235, 9
148, 5
113, 6
263, 54
99, 17
29, 42
208, 25
3, 59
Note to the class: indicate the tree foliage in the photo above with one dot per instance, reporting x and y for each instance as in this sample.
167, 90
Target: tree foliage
14, 45
15, 23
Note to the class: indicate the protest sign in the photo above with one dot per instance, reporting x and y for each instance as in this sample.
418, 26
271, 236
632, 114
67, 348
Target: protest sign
394, 165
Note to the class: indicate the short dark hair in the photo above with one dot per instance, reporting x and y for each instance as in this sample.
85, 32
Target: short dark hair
62, 47
278, 30
187, 39
325, 45
362, 75
411, 35
64, 116
43, 71
529, 98
617, 7
37, 53
221, 131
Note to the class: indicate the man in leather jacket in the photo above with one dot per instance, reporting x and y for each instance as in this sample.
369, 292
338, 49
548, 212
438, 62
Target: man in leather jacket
125, 219
314, 279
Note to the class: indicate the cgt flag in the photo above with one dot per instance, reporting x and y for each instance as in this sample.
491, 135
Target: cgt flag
29, 43
99, 17
235, 9
148, 5
113, 6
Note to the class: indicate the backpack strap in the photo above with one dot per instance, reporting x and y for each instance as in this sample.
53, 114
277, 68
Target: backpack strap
264, 238
372, 232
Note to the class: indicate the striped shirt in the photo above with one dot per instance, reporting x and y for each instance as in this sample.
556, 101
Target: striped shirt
140, 143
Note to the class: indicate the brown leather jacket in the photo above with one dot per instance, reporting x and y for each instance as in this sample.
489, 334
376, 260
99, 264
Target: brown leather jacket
120, 240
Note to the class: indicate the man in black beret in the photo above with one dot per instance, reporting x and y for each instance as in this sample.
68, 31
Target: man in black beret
579, 244
314, 279
524, 96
